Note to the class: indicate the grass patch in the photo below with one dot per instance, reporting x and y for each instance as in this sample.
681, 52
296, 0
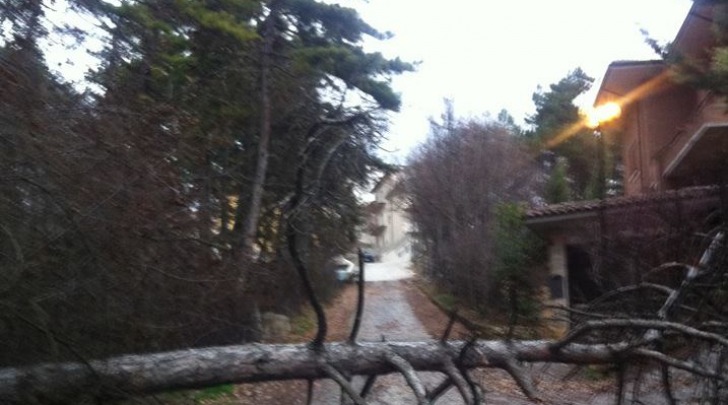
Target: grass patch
223, 394
303, 323
487, 324
598, 372
447, 301
213, 393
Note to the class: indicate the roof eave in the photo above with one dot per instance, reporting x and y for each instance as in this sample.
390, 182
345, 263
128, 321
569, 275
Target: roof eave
559, 217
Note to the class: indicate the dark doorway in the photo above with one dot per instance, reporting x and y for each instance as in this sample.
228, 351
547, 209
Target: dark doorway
582, 287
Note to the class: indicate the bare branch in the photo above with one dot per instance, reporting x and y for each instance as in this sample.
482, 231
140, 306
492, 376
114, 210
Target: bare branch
410, 375
345, 385
440, 389
475, 388
359, 300
368, 384
309, 392
457, 378
522, 378
693, 273
308, 287
631, 288
465, 351
666, 266
621, 375
640, 323
681, 364
666, 384
450, 324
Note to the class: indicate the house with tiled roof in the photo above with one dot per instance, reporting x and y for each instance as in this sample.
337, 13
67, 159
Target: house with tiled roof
674, 150
386, 223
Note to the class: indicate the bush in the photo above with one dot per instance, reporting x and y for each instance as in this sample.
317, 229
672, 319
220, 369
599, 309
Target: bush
518, 251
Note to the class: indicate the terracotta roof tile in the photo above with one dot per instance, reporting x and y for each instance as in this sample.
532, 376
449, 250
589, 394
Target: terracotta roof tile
578, 207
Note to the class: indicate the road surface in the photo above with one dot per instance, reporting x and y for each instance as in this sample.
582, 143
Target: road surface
393, 266
388, 315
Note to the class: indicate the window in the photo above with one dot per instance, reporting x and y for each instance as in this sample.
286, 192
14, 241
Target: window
556, 286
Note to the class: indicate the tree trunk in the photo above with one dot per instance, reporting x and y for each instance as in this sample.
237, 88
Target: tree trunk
133, 375
250, 225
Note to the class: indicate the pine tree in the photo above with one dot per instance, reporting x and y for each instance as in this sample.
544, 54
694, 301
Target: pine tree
557, 126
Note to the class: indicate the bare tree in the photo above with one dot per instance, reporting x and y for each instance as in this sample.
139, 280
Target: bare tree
456, 181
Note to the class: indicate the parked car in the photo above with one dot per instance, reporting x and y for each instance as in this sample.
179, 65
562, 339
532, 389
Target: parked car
345, 270
368, 256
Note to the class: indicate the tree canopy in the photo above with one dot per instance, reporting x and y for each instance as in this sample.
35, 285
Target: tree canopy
557, 127
125, 209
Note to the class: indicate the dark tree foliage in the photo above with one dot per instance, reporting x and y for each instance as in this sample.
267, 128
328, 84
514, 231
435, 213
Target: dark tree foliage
461, 182
555, 108
122, 210
703, 70
556, 127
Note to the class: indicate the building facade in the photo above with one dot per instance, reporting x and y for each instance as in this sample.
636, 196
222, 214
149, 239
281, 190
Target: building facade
386, 226
674, 141
675, 136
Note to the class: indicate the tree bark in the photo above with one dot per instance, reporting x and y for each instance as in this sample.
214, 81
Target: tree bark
250, 226
133, 375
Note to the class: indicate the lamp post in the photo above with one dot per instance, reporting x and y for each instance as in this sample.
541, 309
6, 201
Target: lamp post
595, 118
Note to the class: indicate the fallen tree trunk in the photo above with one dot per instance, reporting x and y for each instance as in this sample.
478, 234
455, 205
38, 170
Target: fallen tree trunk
135, 375
143, 374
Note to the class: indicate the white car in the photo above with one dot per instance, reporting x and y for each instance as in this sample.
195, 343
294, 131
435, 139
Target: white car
345, 270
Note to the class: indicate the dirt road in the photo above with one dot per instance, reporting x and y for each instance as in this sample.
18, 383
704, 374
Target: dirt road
387, 315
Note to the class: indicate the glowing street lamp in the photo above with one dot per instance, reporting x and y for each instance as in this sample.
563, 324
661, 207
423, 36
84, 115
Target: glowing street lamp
594, 118
599, 115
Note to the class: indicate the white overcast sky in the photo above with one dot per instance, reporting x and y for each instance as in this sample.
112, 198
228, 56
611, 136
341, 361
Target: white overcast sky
487, 55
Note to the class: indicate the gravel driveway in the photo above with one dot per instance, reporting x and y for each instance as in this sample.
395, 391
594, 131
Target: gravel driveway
390, 316
387, 315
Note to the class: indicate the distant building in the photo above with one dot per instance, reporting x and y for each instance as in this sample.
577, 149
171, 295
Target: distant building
386, 226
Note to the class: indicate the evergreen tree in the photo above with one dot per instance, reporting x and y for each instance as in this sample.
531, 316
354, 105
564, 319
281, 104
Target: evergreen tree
557, 126
506, 119
557, 187
708, 70
129, 205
